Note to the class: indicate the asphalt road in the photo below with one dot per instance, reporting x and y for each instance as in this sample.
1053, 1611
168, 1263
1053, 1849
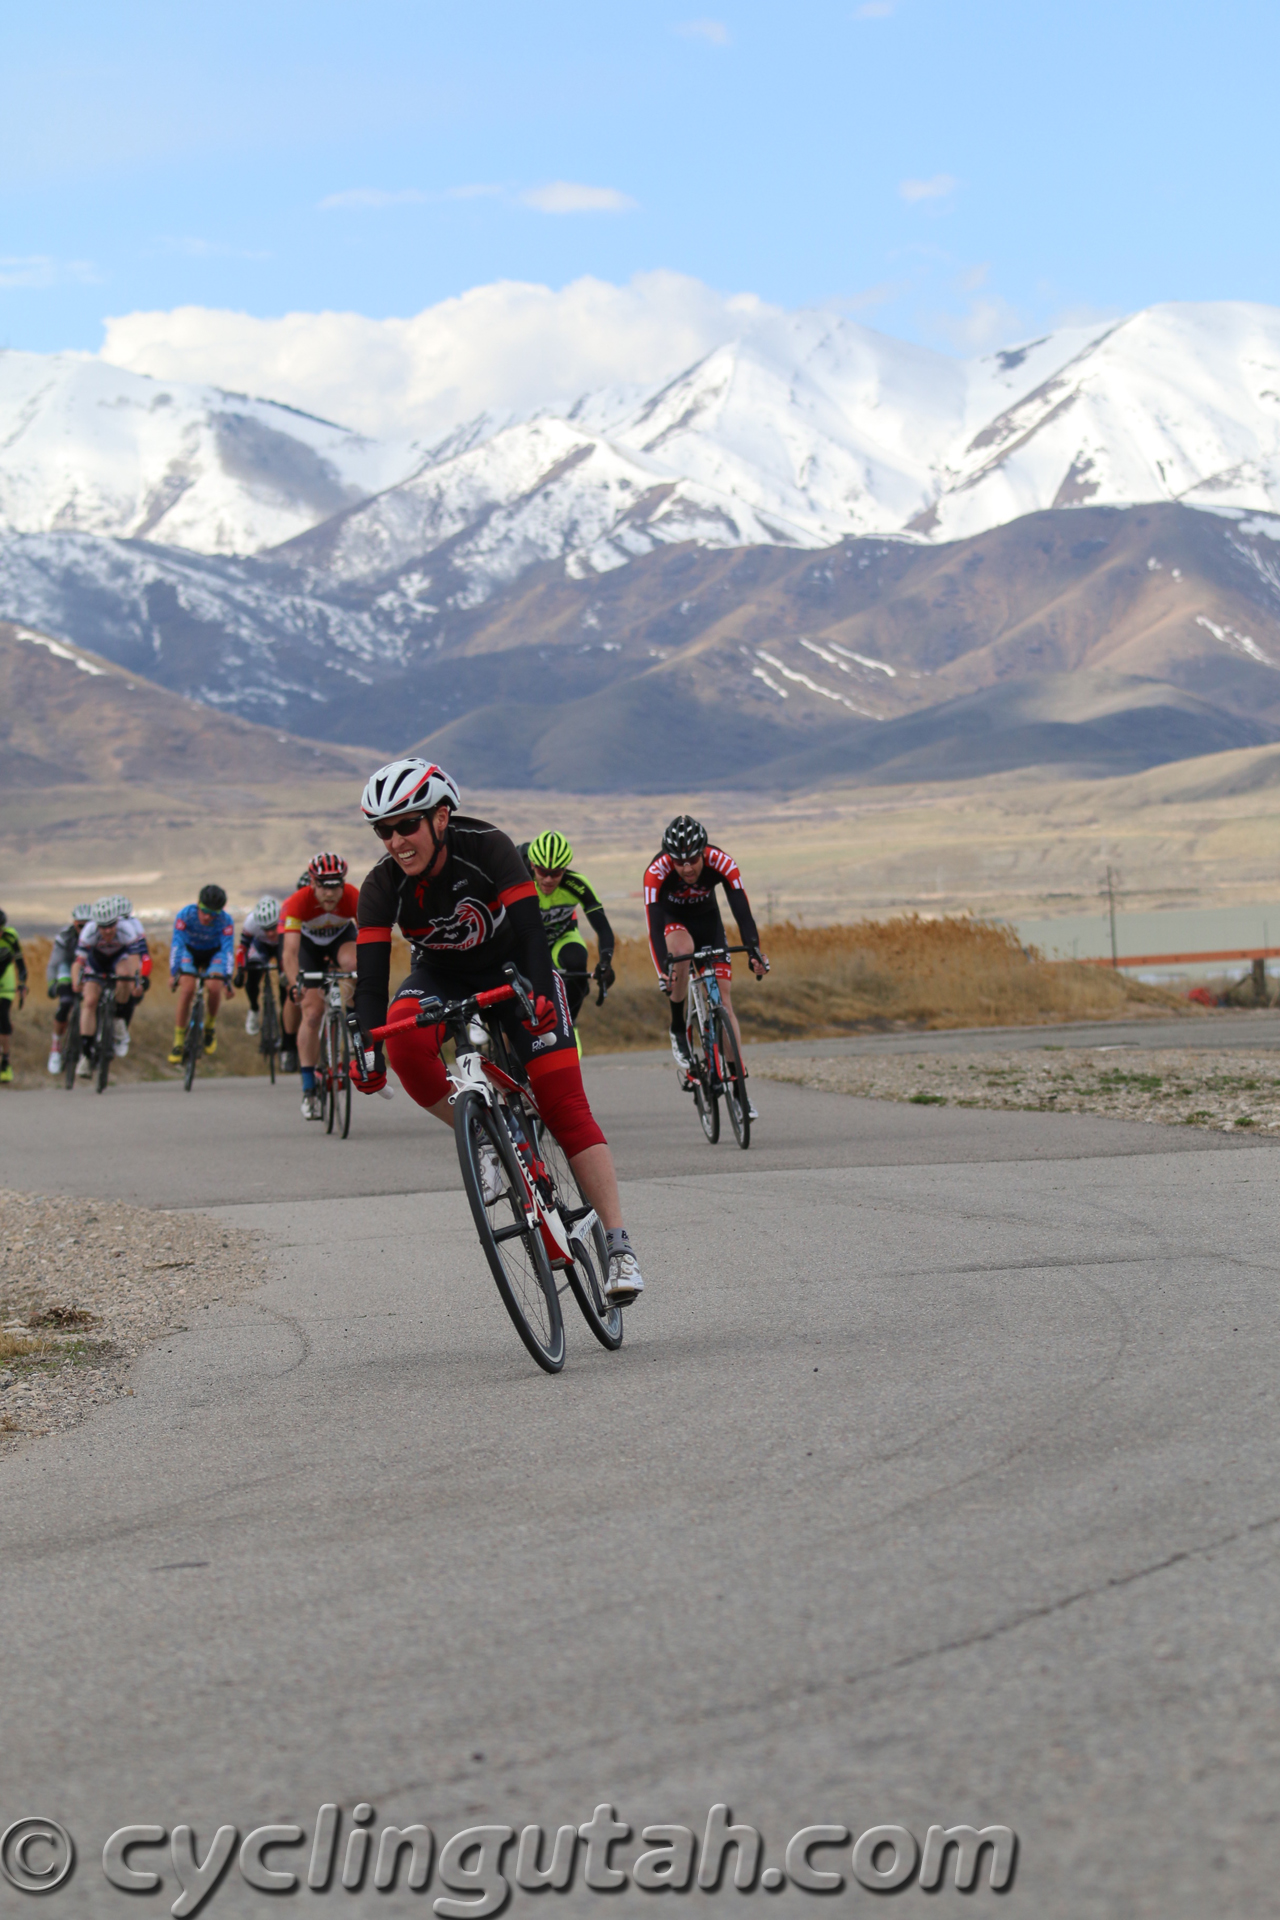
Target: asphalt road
934, 1483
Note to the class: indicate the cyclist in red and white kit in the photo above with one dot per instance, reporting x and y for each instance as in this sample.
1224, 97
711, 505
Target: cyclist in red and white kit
319, 926
464, 899
680, 905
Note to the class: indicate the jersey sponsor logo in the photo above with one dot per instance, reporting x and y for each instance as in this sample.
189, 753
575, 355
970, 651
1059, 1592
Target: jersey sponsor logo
469, 925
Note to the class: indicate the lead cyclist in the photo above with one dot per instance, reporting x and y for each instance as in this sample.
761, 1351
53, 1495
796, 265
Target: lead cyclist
462, 896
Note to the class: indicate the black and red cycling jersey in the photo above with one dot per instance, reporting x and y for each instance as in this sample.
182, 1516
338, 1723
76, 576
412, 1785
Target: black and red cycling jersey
669, 900
480, 911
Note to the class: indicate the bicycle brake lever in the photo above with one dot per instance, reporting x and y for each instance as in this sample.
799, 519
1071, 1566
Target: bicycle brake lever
520, 987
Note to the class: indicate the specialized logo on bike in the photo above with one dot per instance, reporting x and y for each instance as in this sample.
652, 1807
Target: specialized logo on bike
469, 925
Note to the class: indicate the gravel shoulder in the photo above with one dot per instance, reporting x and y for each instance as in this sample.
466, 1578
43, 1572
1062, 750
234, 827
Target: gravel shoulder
1218, 1089
85, 1285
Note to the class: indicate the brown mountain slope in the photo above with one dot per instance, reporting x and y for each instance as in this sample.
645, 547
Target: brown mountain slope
68, 716
1096, 641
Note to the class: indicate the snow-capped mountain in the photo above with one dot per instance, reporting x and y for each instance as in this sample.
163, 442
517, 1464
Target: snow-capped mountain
810, 429
806, 429
88, 448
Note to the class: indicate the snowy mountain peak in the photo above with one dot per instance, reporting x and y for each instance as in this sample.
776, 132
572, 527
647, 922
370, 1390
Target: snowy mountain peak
803, 430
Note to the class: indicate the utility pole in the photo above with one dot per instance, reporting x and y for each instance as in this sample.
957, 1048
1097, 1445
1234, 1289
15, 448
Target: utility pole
1111, 906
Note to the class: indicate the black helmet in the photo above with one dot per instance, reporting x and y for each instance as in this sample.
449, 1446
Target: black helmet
685, 838
4, 918
213, 899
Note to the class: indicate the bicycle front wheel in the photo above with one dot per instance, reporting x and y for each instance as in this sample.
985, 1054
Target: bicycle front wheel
270, 1038
329, 1072
512, 1246
343, 1089
71, 1052
589, 1269
106, 1036
706, 1095
734, 1081
193, 1045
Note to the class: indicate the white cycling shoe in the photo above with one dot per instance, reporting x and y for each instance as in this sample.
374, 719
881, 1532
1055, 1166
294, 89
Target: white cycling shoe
55, 1060
83, 1068
120, 1040
493, 1183
312, 1107
624, 1283
752, 1114
681, 1058
251, 1023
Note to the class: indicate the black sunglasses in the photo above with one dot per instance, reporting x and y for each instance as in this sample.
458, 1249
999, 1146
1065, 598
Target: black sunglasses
406, 824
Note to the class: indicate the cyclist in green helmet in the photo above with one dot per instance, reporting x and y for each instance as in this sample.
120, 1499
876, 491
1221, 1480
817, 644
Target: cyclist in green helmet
561, 892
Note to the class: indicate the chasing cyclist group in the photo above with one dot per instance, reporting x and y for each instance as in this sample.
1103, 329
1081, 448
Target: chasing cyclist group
469, 901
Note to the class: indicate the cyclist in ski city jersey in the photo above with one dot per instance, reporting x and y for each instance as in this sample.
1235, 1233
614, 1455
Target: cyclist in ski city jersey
204, 939
112, 948
318, 926
260, 938
58, 979
561, 891
462, 896
680, 905
13, 985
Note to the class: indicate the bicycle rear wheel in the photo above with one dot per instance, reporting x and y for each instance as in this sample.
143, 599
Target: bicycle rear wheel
734, 1081
513, 1248
588, 1272
705, 1094
105, 1036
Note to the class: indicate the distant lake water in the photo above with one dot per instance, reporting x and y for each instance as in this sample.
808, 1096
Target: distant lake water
1087, 936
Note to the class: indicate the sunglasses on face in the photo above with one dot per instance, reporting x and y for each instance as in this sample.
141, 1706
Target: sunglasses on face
549, 873
407, 825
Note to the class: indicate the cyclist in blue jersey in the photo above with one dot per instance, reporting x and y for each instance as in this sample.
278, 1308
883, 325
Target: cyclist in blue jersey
204, 941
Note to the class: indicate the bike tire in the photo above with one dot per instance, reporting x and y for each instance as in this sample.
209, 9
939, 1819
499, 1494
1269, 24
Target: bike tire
734, 1081
71, 1052
513, 1248
105, 1038
193, 1045
705, 1098
588, 1272
269, 1039
328, 1074
344, 1083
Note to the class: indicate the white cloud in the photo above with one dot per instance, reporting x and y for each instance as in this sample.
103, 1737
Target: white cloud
502, 349
987, 324
42, 270
565, 196
714, 32
935, 189
364, 197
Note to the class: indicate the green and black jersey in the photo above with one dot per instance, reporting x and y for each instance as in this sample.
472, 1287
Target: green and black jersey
13, 967
559, 910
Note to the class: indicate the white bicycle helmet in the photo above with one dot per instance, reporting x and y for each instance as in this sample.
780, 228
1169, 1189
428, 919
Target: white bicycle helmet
267, 912
405, 786
83, 912
111, 907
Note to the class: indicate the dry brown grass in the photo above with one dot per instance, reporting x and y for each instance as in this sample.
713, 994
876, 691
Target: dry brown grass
907, 971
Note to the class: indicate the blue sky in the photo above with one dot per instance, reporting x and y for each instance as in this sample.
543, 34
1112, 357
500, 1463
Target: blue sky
957, 172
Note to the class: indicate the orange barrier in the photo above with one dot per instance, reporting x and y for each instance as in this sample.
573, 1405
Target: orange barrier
1184, 959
